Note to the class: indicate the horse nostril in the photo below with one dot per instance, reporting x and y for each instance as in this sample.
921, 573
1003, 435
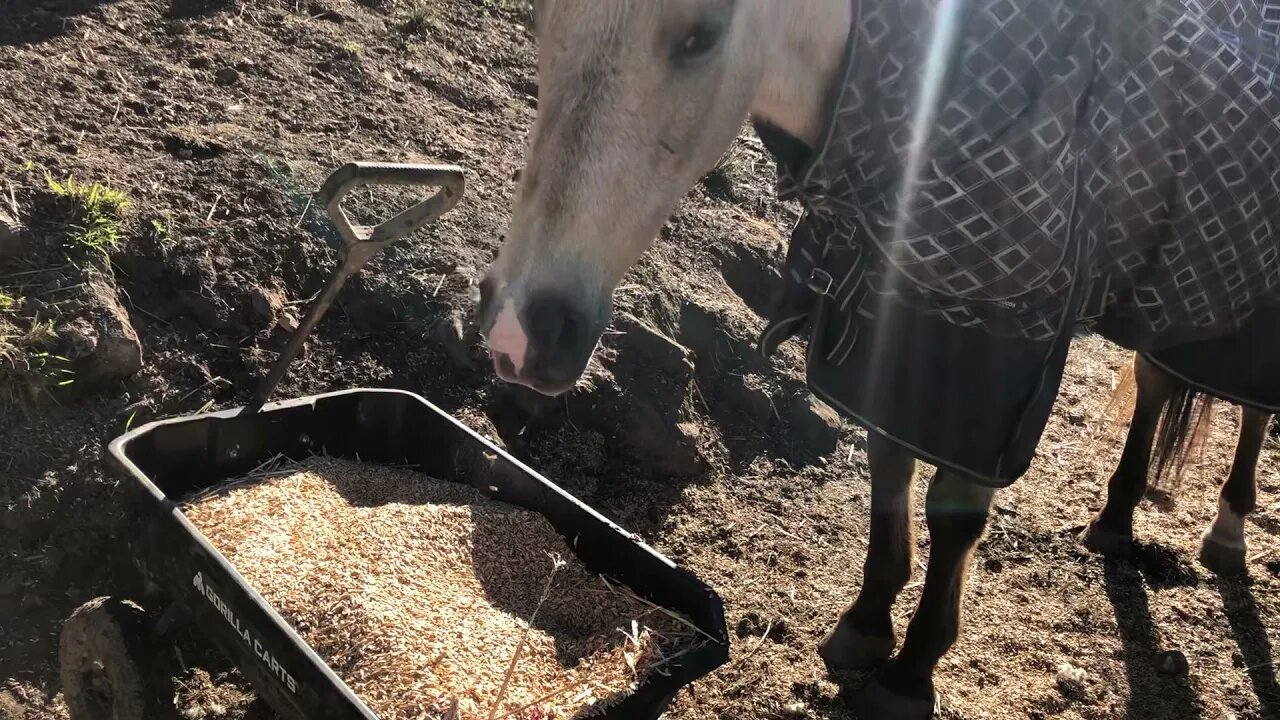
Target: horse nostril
553, 321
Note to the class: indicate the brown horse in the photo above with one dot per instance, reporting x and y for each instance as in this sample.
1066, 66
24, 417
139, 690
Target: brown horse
637, 100
1169, 418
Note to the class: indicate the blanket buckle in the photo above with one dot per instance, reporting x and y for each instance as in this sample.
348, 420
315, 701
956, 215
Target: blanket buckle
820, 281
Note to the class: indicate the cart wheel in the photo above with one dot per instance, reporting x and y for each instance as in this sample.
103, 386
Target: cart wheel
103, 652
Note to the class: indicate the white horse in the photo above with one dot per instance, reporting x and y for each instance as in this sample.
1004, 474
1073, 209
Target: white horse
637, 100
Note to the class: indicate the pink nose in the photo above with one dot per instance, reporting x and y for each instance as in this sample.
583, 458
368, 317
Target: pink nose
508, 343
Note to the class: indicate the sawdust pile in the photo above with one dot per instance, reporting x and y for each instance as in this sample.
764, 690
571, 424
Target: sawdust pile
419, 593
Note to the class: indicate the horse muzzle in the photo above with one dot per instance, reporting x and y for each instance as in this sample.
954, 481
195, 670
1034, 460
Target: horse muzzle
542, 339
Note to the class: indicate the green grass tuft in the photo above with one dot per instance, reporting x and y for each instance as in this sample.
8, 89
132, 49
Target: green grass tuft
422, 17
24, 356
96, 211
518, 10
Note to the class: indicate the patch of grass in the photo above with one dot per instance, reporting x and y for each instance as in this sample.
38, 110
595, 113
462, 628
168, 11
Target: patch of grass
518, 6
731, 172
518, 10
353, 48
26, 365
422, 17
161, 230
95, 212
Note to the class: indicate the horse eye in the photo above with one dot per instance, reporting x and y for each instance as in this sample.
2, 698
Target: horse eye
697, 43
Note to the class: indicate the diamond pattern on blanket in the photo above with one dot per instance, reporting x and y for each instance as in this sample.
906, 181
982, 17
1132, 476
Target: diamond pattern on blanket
1130, 145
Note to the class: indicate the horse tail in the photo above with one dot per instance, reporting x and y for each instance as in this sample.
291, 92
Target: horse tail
1124, 396
1185, 423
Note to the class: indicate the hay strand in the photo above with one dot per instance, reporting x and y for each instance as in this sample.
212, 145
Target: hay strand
556, 565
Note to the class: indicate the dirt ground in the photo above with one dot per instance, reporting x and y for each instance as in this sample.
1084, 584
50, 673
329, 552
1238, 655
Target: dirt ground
215, 119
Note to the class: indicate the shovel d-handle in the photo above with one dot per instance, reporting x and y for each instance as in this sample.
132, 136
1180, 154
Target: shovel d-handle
362, 242
448, 178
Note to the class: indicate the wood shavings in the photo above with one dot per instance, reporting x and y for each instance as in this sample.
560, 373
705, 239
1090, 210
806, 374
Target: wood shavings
419, 593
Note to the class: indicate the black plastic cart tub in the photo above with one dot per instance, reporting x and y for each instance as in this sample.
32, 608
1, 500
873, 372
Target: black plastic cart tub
168, 460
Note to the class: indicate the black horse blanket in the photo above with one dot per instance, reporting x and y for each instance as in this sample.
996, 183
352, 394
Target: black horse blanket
996, 173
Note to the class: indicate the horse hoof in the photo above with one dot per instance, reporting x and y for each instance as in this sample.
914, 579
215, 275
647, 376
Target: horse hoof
877, 702
1221, 558
844, 648
1104, 541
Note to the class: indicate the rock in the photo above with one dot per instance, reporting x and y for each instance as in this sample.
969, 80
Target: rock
1076, 419
288, 322
105, 348
270, 306
212, 313
795, 710
1072, 681
689, 430
1172, 662
669, 448
752, 274
227, 76
755, 401
267, 303
814, 426
655, 347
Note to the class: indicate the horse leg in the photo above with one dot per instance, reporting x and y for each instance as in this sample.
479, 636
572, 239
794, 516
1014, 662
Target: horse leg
864, 635
1112, 529
1223, 549
956, 510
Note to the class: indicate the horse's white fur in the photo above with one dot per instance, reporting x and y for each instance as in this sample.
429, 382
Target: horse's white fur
1228, 527
594, 195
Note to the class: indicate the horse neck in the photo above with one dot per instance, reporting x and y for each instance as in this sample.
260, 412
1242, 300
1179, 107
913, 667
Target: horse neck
807, 47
